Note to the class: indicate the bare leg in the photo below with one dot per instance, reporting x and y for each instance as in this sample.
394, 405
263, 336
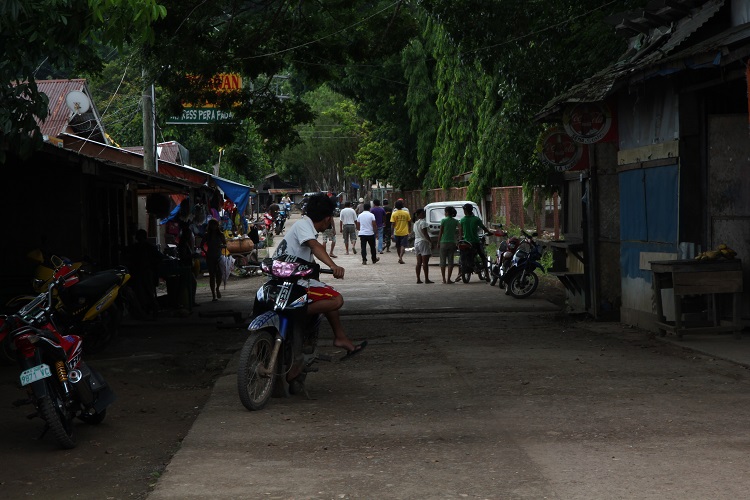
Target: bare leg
330, 308
419, 268
425, 263
333, 244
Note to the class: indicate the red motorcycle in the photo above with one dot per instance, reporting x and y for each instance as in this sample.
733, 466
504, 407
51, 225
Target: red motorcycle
59, 384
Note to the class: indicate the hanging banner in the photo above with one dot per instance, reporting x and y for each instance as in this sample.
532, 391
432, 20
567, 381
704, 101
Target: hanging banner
587, 122
558, 149
207, 112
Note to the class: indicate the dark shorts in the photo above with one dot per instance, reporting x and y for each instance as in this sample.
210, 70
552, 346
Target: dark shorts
402, 241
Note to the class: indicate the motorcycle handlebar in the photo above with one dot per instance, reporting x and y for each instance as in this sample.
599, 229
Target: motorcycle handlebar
326, 271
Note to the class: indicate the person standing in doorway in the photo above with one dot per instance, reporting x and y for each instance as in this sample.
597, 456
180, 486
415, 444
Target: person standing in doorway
367, 228
447, 242
401, 221
348, 226
379, 214
422, 245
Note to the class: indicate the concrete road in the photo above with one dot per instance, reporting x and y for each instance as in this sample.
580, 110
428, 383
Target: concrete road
466, 393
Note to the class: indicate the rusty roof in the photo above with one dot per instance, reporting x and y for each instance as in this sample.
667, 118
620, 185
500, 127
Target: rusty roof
654, 54
171, 151
60, 119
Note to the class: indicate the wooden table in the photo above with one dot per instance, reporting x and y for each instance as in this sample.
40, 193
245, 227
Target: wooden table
698, 277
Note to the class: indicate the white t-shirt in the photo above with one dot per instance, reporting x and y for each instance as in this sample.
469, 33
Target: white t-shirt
294, 241
418, 226
366, 219
348, 216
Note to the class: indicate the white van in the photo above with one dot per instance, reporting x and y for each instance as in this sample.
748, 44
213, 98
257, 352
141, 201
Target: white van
435, 212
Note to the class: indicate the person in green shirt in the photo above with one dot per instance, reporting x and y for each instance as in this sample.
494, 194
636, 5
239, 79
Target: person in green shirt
447, 242
470, 225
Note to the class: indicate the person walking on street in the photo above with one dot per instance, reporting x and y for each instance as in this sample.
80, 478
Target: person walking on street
367, 228
401, 221
422, 245
215, 241
330, 235
348, 226
387, 226
360, 206
300, 241
447, 242
379, 214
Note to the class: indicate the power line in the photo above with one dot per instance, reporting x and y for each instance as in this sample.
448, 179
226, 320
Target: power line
324, 37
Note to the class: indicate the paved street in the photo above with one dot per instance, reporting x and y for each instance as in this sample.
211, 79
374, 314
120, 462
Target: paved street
466, 393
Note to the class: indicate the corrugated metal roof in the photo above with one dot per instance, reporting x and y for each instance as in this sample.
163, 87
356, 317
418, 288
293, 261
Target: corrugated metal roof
171, 151
657, 57
60, 119
59, 114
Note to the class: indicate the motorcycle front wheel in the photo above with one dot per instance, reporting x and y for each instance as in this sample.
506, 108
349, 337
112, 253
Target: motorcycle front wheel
523, 284
52, 409
255, 388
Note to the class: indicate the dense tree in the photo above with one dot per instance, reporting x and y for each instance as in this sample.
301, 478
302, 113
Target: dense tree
63, 34
324, 157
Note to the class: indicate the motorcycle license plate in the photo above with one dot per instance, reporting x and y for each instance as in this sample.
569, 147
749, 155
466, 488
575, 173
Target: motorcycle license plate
35, 373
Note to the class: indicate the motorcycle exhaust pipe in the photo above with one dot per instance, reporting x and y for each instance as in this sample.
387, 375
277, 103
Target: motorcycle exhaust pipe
75, 376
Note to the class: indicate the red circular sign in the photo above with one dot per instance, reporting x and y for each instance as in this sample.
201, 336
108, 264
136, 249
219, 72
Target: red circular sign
587, 122
559, 150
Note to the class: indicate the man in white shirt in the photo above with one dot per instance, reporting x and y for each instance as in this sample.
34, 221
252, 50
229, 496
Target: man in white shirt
301, 241
348, 226
368, 228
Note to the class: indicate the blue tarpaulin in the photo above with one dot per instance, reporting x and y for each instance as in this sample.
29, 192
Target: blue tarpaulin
171, 215
238, 193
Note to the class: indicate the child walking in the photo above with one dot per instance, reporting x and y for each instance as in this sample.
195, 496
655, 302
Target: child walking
422, 245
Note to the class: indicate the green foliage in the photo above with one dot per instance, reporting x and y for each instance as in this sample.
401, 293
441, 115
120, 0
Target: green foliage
63, 34
322, 160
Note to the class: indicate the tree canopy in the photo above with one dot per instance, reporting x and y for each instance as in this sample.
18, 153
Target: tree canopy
67, 35
427, 89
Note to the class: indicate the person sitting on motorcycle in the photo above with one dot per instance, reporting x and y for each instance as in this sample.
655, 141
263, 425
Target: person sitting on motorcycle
301, 241
470, 225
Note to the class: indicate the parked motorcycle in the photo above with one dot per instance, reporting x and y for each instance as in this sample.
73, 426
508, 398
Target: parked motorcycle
469, 261
503, 257
520, 279
282, 346
87, 304
60, 385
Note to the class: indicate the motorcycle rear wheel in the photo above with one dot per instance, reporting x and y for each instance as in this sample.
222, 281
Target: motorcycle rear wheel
523, 284
255, 389
52, 410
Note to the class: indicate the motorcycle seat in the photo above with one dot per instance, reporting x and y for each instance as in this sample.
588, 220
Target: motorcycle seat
93, 287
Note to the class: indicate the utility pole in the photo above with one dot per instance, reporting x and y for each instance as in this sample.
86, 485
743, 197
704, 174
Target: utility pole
149, 142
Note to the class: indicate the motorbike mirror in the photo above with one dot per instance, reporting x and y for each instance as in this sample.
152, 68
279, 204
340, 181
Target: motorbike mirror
56, 261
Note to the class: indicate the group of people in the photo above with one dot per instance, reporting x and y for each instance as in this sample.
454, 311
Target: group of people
372, 223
